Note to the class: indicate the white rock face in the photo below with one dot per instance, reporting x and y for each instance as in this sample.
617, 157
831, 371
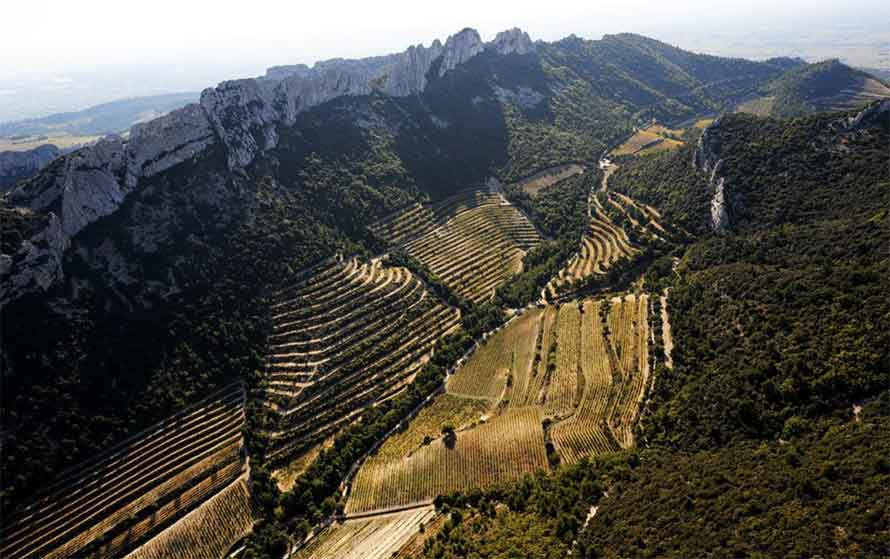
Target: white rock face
512, 41
706, 159
719, 216
459, 48
159, 144
244, 115
17, 165
36, 265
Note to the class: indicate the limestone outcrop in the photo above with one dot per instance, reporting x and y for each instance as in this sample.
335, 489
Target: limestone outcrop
706, 159
243, 115
512, 41
18, 165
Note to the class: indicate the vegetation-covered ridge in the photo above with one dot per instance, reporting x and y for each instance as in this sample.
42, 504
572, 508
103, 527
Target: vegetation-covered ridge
772, 420
170, 297
752, 499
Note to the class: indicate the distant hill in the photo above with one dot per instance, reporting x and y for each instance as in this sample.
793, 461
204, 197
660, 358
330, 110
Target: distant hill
825, 86
116, 116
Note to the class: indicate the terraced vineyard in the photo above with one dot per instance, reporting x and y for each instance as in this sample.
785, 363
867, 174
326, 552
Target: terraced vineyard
346, 335
473, 241
557, 363
548, 177
478, 457
603, 244
379, 537
208, 531
124, 497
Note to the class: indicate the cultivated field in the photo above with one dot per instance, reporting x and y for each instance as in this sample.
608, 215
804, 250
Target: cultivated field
586, 431
760, 106
473, 241
653, 139
346, 335
560, 363
62, 141
548, 177
504, 448
379, 537
207, 532
125, 496
629, 344
492, 365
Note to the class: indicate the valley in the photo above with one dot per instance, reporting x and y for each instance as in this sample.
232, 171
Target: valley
472, 299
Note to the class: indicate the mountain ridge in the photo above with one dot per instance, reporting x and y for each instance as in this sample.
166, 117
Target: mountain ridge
145, 262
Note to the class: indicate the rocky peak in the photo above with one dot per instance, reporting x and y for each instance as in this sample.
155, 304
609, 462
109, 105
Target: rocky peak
459, 48
243, 115
512, 41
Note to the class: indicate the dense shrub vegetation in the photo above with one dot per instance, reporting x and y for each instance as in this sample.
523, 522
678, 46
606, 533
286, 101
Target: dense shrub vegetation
772, 423
560, 213
818, 494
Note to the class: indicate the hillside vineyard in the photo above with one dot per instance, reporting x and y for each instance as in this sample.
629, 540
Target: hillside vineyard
472, 241
617, 228
350, 334
114, 502
515, 298
563, 364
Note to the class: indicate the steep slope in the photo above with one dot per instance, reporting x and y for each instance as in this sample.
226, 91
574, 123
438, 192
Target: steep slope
145, 263
772, 421
18, 165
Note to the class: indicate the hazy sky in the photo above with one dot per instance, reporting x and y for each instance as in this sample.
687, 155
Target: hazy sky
164, 45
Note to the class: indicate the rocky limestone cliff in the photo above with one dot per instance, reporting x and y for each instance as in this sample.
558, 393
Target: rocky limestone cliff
875, 110
459, 48
243, 115
247, 113
18, 165
512, 41
706, 159
37, 262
